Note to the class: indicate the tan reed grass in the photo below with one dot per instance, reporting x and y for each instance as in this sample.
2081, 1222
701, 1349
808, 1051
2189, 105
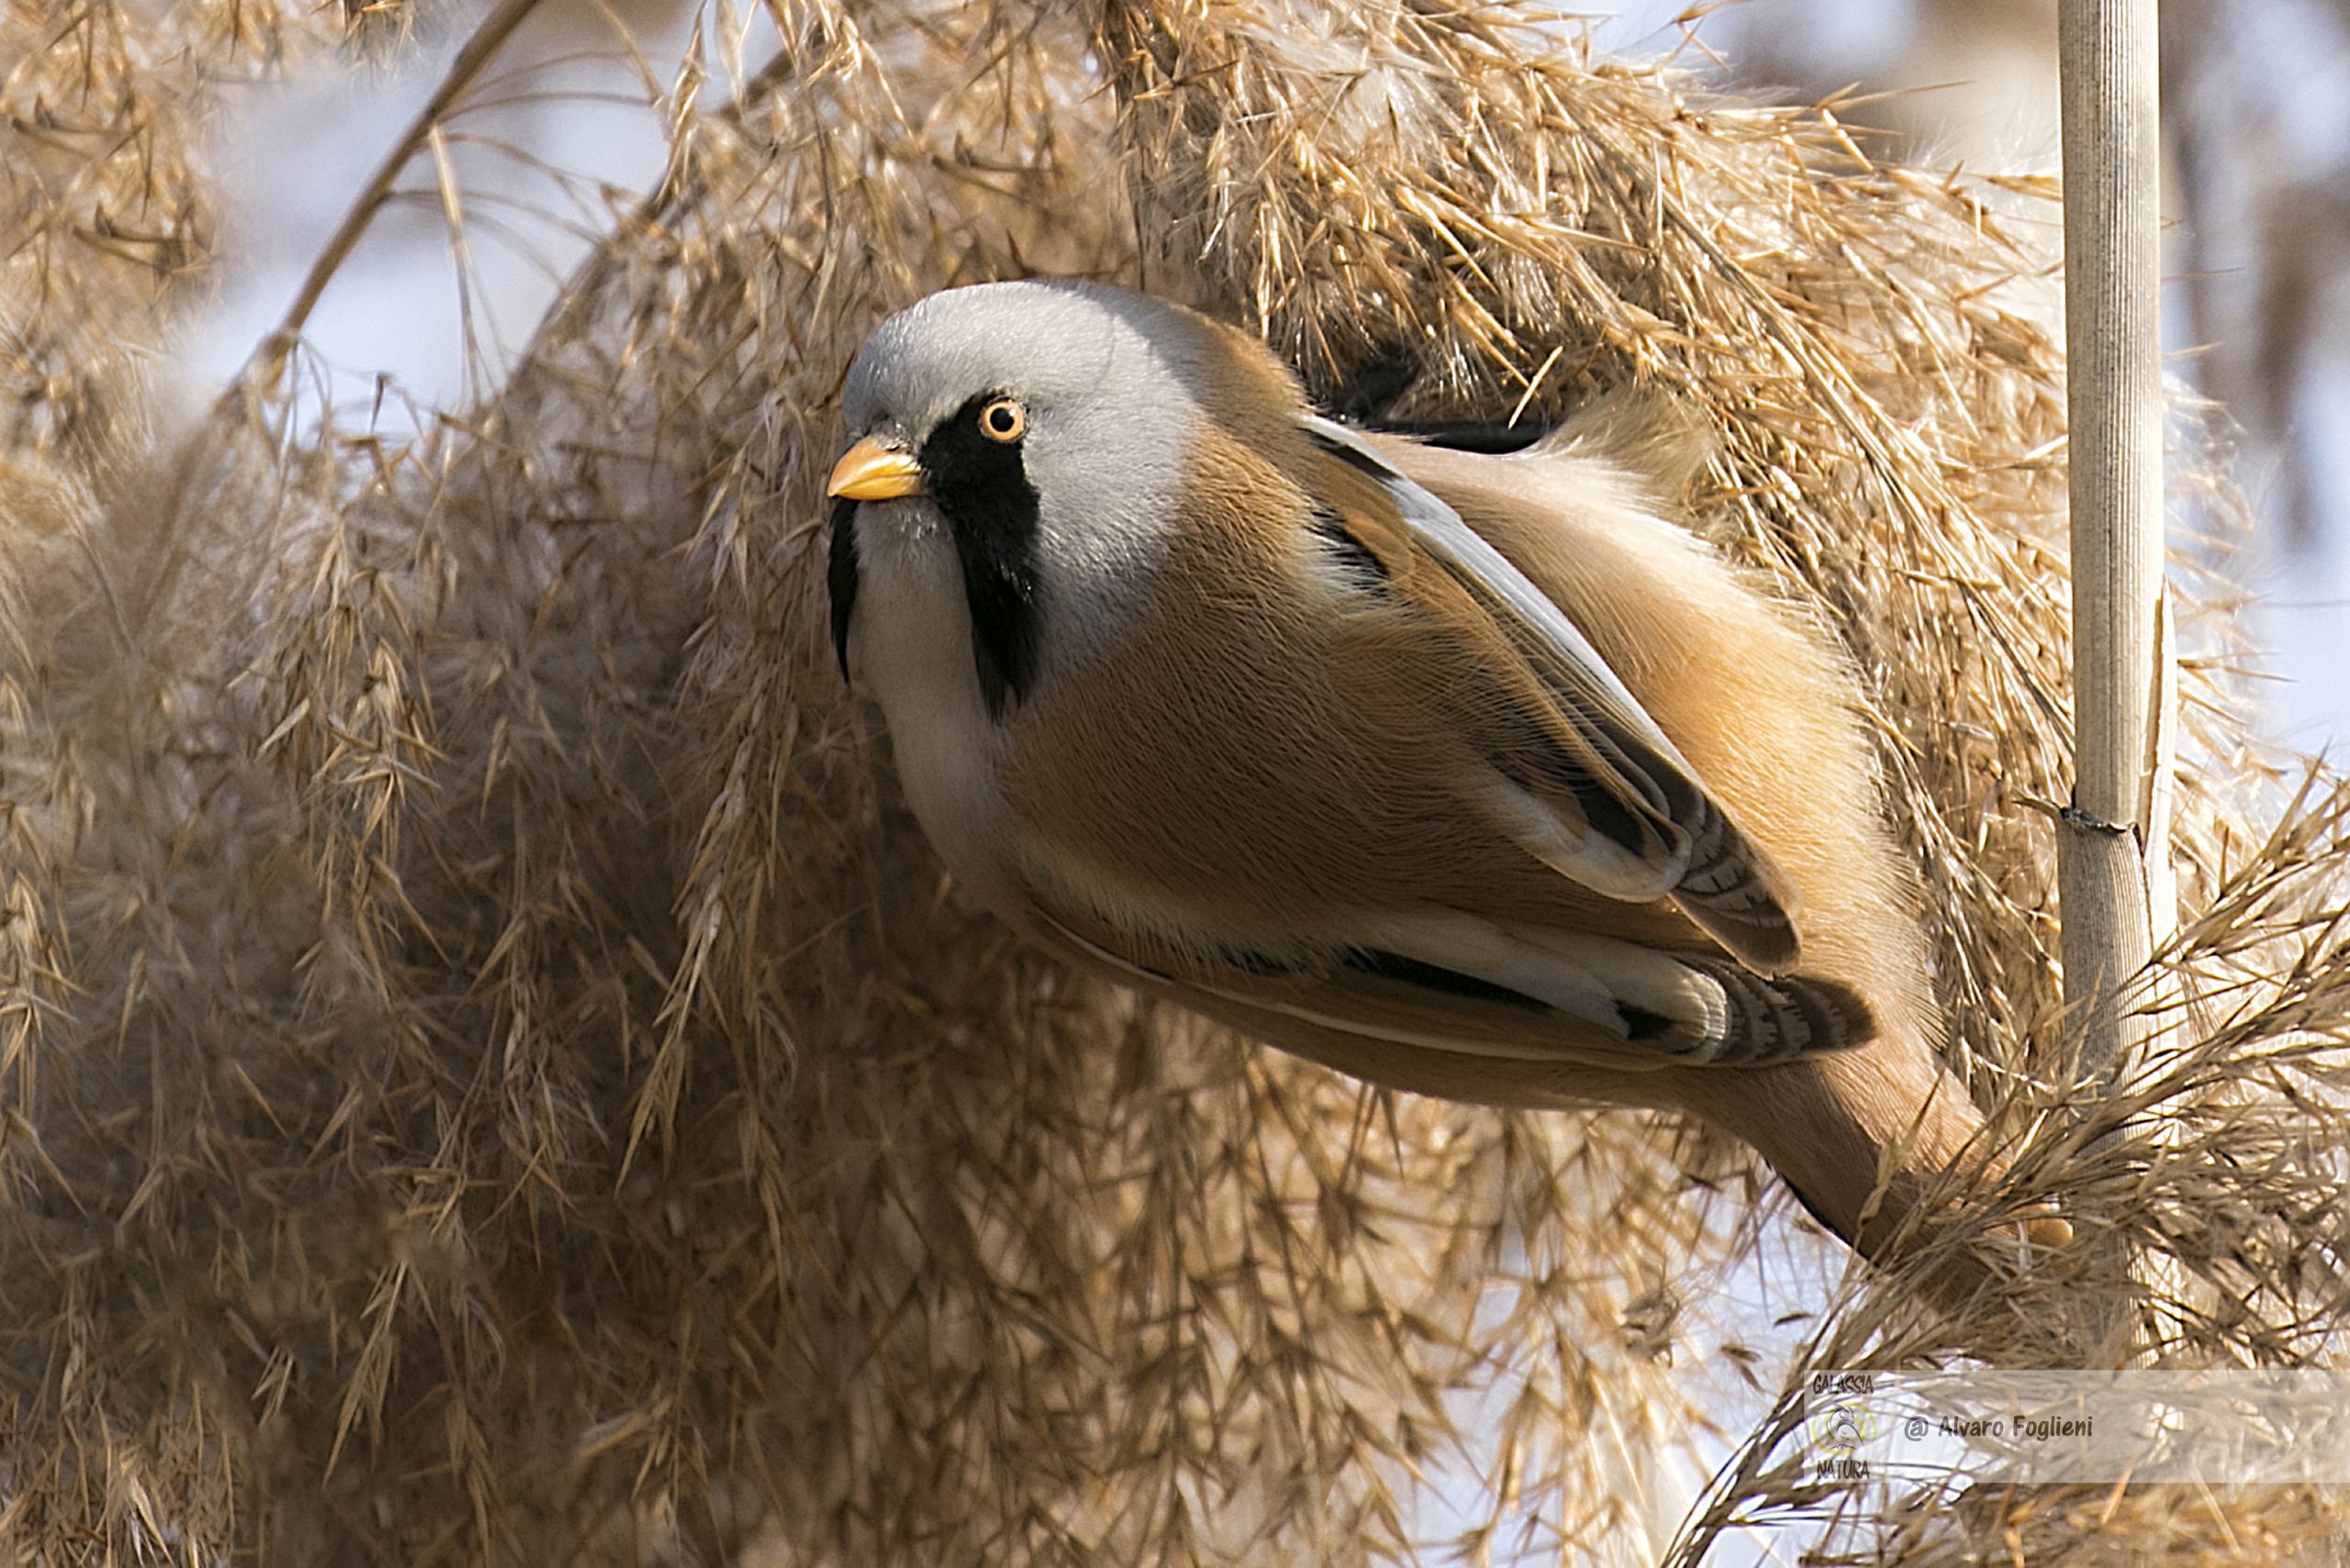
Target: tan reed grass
492, 1073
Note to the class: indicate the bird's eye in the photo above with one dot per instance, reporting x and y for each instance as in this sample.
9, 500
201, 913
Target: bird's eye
1004, 420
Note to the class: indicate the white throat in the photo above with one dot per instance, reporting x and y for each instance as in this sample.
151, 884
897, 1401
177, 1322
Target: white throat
910, 646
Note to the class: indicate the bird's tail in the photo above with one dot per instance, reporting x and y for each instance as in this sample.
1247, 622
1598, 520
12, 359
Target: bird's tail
1865, 1138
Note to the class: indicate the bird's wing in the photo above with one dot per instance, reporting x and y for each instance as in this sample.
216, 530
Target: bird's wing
1586, 781
1440, 980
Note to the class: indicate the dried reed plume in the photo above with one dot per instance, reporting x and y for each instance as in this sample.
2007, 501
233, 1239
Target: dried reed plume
492, 1073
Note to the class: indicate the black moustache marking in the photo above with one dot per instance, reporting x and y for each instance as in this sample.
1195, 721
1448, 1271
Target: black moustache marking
981, 487
840, 576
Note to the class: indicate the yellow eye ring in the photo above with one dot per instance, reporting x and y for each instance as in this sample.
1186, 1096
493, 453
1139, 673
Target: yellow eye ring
1004, 420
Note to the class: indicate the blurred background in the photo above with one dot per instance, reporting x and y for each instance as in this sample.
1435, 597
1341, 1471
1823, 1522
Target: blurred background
2258, 112
2256, 192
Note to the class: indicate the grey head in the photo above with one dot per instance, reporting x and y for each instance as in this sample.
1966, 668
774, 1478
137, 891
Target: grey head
1055, 510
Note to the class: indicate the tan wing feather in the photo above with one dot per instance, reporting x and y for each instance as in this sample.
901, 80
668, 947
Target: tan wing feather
1380, 749
1561, 727
1746, 1019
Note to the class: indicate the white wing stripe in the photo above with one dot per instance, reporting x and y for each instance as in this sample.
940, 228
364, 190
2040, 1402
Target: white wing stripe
1590, 858
1464, 549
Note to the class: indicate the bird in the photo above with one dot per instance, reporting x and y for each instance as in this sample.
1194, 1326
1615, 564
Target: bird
1472, 773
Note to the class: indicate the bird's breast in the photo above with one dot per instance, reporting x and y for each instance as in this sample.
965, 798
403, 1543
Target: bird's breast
910, 647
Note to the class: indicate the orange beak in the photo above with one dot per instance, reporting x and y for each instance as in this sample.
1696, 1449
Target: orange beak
872, 472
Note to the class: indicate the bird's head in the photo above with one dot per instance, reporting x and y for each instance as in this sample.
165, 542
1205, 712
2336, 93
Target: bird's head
1040, 429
